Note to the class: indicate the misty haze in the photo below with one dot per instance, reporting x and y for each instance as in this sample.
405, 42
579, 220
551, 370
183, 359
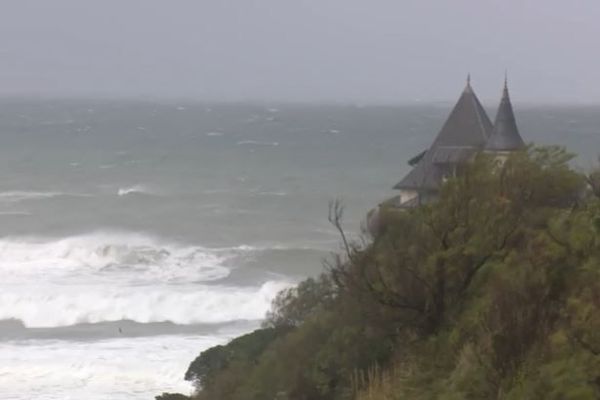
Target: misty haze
333, 50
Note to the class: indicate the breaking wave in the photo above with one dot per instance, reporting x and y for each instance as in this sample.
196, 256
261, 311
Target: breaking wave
56, 306
277, 194
118, 276
15, 196
257, 143
117, 369
130, 258
135, 189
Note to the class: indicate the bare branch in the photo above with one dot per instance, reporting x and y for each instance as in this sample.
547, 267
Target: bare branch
336, 214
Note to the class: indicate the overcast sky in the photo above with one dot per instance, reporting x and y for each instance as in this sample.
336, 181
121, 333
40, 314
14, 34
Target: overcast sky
301, 50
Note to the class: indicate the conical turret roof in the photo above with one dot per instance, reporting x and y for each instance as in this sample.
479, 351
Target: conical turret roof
467, 125
466, 131
505, 135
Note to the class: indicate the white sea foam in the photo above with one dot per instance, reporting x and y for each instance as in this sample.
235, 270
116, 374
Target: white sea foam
110, 277
65, 305
118, 369
128, 258
15, 196
277, 194
257, 143
135, 189
213, 134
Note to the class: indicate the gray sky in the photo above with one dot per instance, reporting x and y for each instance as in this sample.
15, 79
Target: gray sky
301, 50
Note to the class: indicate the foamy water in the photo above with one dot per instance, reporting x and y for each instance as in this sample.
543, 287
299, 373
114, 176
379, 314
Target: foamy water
141, 258
121, 278
16, 196
135, 189
55, 306
119, 369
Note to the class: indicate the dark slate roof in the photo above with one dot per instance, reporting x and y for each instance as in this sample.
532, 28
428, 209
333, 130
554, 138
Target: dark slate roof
452, 154
466, 131
505, 135
415, 160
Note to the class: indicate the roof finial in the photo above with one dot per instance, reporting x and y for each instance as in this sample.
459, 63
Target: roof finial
469, 79
506, 78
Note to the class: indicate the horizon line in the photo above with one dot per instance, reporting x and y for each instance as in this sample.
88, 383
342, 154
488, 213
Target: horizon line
265, 101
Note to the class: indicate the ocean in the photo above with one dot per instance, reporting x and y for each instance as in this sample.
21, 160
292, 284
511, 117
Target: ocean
135, 234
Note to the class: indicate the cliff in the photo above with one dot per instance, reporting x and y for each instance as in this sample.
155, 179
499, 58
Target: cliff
493, 291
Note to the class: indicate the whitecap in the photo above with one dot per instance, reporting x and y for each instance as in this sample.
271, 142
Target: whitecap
107, 256
278, 194
67, 305
257, 143
135, 189
214, 134
116, 369
15, 196
107, 276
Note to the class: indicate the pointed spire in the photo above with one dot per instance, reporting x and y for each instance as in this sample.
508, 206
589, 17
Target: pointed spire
505, 135
465, 131
468, 88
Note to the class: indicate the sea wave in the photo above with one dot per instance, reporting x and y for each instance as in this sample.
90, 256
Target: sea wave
111, 256
15, 214
108, 276
55, 305
257, 143
117, 369
15, 196
13, 330
276, 194
135, 189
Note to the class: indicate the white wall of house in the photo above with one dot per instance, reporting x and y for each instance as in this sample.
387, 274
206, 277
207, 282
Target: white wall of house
406, 195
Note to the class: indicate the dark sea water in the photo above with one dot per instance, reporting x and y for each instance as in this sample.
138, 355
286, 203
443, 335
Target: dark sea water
133, 235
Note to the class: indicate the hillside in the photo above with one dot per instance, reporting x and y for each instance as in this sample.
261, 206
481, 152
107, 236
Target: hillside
492, 292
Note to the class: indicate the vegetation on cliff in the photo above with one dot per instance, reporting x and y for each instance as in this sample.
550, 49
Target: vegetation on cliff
491, 292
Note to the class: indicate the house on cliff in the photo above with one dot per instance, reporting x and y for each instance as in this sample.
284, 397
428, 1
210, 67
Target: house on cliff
467, 131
